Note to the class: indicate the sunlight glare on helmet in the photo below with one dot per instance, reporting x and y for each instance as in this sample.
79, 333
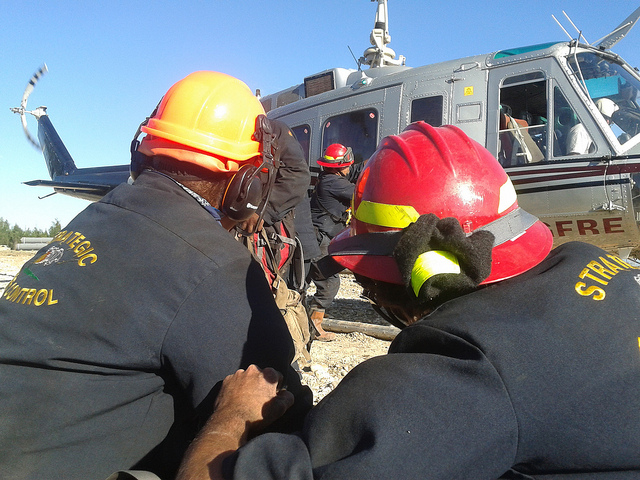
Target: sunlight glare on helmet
467, 194
220, 111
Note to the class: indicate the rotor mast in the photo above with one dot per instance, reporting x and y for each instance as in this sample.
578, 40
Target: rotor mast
380, 55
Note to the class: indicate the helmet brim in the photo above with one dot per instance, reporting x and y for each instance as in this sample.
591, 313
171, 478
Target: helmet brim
363, 255
323, 163
515, 257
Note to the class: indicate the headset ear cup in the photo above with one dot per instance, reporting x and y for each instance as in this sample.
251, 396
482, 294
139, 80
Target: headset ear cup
243, 194
138, 159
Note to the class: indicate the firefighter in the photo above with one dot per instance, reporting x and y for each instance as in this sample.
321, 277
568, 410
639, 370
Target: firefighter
113, 336
514, 361
330, 214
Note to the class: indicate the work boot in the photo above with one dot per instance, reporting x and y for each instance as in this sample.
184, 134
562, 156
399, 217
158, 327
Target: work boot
320, 334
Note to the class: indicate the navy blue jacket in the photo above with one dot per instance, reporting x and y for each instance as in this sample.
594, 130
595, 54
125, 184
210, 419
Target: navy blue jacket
536, 377
329, 202
293, 177
113, 337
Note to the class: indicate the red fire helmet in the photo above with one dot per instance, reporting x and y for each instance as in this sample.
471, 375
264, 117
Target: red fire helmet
336, 156
441, 171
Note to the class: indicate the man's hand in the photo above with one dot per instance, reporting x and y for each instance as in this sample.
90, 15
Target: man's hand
255, 396
249, 400
251, 225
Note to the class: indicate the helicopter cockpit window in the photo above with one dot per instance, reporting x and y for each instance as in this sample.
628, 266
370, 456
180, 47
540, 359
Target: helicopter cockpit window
358, 130
613, 89
523, 120
303, 135
570, 137
428, 109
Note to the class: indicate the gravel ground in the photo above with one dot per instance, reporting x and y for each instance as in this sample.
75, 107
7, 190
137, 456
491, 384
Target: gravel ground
10, 263
331, 360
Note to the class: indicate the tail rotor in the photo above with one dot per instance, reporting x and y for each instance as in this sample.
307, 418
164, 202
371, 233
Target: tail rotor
38, 112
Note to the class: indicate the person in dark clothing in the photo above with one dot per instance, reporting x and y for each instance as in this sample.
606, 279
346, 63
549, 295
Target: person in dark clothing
515, 362
330, 203
293, 177
290, 184
307, 235
274, 240
287, 201
116, 336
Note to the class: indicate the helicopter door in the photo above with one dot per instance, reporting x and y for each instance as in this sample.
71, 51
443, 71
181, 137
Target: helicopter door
578, 194
521, 117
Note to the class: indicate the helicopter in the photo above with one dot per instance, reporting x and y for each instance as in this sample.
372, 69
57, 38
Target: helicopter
91, 183
525, 105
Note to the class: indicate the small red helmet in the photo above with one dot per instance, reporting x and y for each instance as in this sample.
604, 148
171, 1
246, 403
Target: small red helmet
336, 156
441, 171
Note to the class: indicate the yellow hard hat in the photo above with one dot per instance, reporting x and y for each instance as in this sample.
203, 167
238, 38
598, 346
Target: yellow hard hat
207, 118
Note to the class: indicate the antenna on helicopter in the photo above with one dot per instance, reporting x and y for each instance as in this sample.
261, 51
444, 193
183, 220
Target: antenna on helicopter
610, 39
560, 25
38, 112
573, 25
356, 60
577, 30
379, 55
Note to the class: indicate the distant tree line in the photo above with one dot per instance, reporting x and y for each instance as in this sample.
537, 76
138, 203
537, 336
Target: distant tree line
11, 235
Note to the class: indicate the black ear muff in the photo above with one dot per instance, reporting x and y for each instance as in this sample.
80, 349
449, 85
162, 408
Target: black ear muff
138, 159
243, 194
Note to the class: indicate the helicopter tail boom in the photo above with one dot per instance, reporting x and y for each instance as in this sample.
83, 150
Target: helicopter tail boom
56, 155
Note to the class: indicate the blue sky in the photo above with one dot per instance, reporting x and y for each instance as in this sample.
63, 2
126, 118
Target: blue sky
111, 61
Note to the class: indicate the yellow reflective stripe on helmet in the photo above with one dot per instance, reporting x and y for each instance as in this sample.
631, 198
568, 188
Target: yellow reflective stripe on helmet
507, 196
383, 215
432, 263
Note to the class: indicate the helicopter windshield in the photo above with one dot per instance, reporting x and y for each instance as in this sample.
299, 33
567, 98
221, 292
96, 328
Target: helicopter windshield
613, 89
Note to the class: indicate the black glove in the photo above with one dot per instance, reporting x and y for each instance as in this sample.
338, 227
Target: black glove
428, 233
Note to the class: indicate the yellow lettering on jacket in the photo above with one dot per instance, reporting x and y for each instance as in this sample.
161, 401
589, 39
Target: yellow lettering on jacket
91, 258
599, 292
80, 246
620, 262
76, 240
598, 268
600, 271
28, 296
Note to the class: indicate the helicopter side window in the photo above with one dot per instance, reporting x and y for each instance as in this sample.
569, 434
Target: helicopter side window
357, 129
569, 134
627, 115
523, 120
428, 109
303, 135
